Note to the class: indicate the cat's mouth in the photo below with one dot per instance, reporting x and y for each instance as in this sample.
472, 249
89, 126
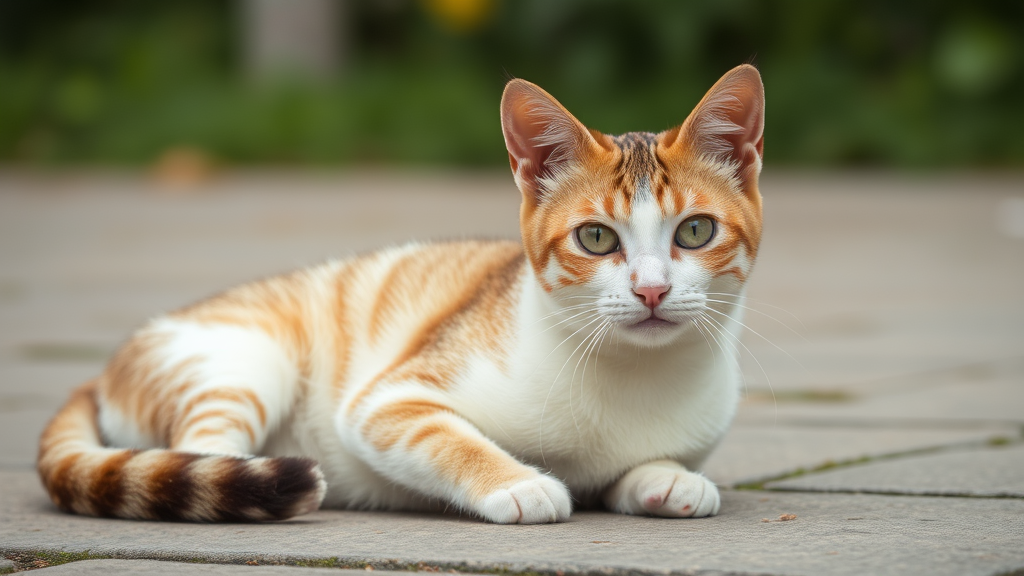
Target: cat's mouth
653, 322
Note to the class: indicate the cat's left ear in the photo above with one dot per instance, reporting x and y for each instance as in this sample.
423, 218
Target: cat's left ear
543, 139
727, 125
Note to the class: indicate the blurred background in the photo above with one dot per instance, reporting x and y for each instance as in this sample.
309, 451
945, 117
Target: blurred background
915, 84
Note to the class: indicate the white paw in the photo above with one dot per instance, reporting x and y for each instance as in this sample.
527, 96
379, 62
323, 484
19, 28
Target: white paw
534, 501
676, 493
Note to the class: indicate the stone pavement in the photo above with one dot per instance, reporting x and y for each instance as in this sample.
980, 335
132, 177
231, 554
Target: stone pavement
885, 373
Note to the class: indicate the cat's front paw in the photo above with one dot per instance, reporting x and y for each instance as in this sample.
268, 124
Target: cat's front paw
665, 489
679, 494
535, 501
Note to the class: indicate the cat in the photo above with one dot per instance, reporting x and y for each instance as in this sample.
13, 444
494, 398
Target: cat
594, 362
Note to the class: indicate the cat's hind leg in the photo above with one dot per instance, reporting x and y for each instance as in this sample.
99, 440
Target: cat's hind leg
245, 387
409, 433
663, 488
201, 388
170, 429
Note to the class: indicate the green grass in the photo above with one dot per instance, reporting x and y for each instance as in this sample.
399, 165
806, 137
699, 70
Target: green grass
851, 82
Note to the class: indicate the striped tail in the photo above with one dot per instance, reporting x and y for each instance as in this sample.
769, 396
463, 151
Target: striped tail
83, 476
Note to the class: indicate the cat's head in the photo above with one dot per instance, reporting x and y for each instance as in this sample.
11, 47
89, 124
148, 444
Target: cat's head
640, 233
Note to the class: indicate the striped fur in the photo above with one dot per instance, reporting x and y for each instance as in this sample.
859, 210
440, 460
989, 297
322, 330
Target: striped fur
500, 379
83, 476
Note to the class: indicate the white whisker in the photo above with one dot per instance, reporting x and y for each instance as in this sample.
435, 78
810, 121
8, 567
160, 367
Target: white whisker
758, 334
726, 333
583, 354
760, 303
698, 326
540, 439
557, 312
787, 326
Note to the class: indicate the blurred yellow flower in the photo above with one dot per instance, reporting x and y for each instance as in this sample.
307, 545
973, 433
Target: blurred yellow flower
461, 15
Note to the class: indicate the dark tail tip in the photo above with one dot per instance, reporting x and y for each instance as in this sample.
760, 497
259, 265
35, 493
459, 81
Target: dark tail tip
269, 489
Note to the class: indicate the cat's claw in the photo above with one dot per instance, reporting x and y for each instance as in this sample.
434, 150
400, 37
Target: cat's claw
667, 490
535, 501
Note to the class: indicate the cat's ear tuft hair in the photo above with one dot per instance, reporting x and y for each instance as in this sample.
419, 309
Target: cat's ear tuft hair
543, 139
728, 124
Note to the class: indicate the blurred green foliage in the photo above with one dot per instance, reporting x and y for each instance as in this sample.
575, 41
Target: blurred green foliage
848, 82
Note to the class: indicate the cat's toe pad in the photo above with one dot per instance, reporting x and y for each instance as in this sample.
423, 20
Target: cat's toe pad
678, 494
535, 501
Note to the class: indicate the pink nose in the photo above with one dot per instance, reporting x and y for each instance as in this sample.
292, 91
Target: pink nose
651, 295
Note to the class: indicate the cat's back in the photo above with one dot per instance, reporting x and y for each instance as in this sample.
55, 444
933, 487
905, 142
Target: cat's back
332, 324
382, 289
358, 313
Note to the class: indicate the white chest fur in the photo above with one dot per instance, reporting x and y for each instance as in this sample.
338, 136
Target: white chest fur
590, 414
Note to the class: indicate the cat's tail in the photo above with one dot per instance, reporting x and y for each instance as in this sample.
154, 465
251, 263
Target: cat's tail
83, 476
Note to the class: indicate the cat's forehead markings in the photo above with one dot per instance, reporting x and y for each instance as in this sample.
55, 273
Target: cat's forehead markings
636, 169
638, 160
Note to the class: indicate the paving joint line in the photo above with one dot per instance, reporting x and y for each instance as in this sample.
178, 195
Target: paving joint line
885, 423
35, 559
895, 493
994, 442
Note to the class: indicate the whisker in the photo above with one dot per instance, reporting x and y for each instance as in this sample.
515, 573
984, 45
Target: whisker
602, 332
572, 380
725, 332
557, 312
726, 348
697, 324
731, 356
761, 303
765, 314
597, 357
540, 438
758, 334
569, 319
565, 309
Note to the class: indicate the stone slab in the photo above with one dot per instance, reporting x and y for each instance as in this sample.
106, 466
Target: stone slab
163, 568
997, 472
20, 432
983, 404
756, 453
977, 393
6, 566
841, 534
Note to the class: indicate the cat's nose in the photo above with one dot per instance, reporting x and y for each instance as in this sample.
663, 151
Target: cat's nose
651, 295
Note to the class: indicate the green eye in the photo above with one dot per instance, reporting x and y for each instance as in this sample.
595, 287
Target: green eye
597, 239
695, 232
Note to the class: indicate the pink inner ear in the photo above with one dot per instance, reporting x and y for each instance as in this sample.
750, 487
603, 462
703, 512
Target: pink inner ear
524, 126
729, 122
539, 133
748, 115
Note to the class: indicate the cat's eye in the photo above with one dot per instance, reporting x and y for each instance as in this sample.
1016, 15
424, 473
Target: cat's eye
695, 232
597, 239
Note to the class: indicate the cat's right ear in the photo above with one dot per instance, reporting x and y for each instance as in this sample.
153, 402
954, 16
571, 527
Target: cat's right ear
543, 139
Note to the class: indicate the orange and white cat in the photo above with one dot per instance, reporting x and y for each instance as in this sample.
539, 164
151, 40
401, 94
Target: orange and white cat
594, 362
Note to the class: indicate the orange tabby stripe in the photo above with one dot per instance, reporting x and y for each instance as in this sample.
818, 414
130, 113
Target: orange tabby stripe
389, 423
233, 418
233, 395
476, 317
